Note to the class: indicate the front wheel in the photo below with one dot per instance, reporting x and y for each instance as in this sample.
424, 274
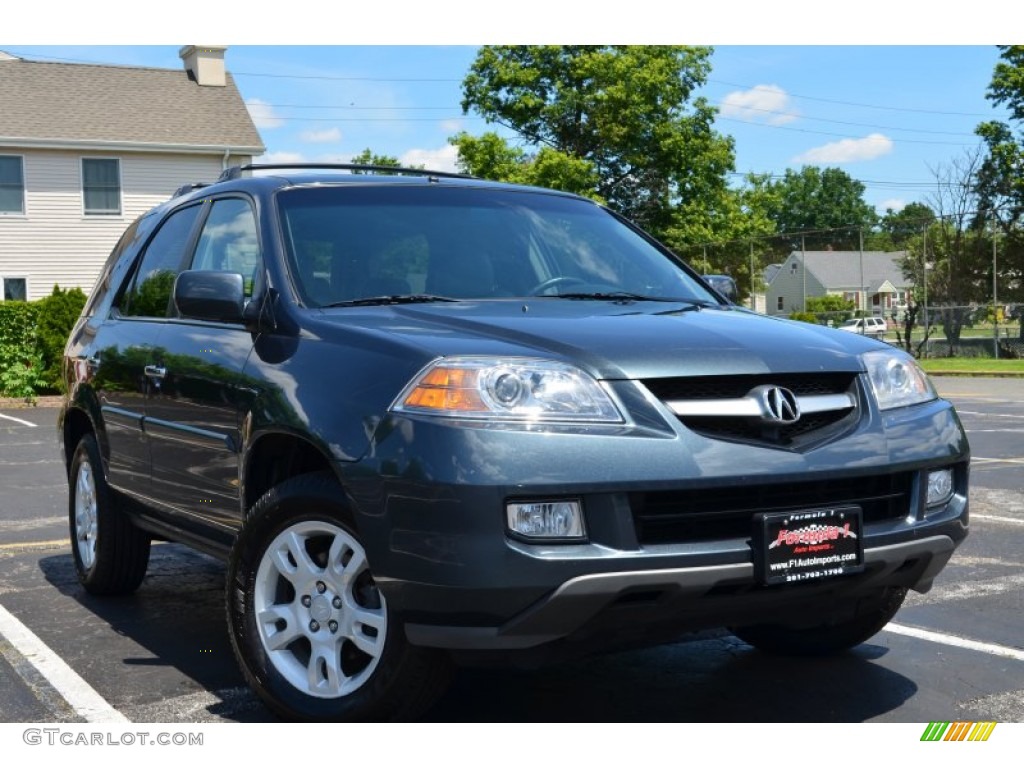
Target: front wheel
825, 639
310, 629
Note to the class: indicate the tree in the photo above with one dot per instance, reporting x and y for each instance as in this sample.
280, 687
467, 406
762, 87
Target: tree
491, 157
896, 229
369, 157
999, 183
827, 206
958, 259
619, 123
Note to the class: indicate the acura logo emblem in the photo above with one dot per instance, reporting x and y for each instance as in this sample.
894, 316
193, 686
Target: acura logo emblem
778, 405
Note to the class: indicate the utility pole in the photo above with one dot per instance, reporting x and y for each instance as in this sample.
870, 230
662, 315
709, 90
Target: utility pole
753, 304
924, 281
803, 270
995, 305
863, 289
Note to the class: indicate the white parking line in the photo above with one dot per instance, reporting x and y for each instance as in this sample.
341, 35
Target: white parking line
958, 642
81, 696
20, 421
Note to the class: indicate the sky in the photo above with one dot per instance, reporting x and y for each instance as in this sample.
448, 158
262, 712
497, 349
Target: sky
891, 115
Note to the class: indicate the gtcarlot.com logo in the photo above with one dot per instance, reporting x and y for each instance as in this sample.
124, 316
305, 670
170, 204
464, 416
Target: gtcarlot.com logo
958, 731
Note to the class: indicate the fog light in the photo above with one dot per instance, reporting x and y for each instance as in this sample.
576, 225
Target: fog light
546, 519
940, 486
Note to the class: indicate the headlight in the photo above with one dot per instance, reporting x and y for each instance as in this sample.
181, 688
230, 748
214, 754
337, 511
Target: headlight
896, 379
507, 389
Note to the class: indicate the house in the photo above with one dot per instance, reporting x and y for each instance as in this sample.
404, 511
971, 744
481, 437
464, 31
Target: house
84, 149
872, 280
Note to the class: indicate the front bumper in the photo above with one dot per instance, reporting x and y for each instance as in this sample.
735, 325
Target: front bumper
430, 500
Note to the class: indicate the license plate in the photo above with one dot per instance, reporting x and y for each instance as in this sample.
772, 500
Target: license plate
808, 544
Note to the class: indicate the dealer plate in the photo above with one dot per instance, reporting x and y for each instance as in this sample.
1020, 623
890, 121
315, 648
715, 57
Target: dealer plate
808, 544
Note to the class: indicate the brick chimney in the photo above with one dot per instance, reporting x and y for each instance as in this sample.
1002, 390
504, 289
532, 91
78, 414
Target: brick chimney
205, 63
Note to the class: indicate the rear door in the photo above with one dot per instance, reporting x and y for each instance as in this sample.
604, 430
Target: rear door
121, 355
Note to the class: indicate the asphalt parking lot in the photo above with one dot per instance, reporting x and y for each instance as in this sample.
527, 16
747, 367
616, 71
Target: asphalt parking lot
163, 655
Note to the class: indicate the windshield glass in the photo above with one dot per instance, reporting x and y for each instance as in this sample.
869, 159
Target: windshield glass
352, 243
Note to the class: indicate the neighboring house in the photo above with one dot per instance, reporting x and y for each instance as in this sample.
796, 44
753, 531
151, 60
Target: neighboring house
872, 280
84, 149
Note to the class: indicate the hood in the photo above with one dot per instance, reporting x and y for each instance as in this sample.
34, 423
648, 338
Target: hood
633, 340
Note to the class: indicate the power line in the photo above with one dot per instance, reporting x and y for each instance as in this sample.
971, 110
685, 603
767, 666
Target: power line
862, 105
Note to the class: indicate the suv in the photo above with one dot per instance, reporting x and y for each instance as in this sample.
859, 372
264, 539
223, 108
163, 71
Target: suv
424, 418
874, 327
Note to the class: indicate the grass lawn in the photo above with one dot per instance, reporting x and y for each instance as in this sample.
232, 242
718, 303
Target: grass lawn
977, 365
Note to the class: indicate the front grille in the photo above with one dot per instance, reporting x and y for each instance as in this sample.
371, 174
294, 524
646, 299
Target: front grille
811, 429
712, 514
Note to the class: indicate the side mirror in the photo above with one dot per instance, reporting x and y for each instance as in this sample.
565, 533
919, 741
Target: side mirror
207, 295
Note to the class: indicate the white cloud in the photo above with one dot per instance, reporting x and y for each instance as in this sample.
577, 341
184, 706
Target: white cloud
262, 114
441, 159
761, 104
452, 126
326, 136
894, 204
848, 150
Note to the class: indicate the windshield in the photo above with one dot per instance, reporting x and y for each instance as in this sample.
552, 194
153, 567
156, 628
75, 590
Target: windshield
353, 244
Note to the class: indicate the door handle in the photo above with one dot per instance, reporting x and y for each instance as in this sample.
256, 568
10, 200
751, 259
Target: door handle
155, 371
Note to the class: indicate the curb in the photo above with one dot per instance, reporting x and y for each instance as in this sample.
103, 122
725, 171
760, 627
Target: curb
980, 374
44, 401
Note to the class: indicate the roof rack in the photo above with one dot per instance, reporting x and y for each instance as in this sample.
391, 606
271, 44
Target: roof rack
184, 189
236, 171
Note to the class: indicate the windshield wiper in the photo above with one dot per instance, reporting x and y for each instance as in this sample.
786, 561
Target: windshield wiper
607, 296
397, 298
626, 296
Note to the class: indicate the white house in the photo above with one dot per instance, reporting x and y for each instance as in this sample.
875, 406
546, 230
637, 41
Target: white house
84, 149
872, 280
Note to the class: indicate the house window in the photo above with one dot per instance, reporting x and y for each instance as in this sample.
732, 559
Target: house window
101, 185
780, 303
12, 184
15, 288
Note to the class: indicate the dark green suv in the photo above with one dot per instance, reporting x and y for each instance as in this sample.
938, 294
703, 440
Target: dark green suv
426, 417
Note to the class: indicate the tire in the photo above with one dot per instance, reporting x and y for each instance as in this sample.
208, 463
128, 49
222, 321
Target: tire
310, 630
111, 555
826, 639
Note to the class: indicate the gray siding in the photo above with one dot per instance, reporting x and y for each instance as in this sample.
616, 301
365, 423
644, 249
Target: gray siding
55, 242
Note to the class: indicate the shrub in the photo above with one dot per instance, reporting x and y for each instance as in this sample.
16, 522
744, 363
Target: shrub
21, 365
807, 317
56, 317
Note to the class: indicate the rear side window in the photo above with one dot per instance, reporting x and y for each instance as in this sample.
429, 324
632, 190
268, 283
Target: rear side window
150, 292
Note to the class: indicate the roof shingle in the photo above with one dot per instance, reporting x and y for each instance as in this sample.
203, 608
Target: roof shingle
73, 103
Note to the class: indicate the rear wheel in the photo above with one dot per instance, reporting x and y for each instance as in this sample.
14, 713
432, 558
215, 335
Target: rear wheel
111, 555
310, 629
825, 639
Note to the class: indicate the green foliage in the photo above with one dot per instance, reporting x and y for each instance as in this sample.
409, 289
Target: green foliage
32, 339
805, 317
21, 366
999, 183
617, 123
368, 157
828, 205
56, 317
830, 302
491, 157
897, 230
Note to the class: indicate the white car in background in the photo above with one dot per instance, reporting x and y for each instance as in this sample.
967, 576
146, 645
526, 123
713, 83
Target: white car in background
874, 327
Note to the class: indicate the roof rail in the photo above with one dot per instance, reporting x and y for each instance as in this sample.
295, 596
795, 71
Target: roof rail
184, 189
236, 171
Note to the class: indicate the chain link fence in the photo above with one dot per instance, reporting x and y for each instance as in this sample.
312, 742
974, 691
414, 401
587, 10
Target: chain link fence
938, 331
